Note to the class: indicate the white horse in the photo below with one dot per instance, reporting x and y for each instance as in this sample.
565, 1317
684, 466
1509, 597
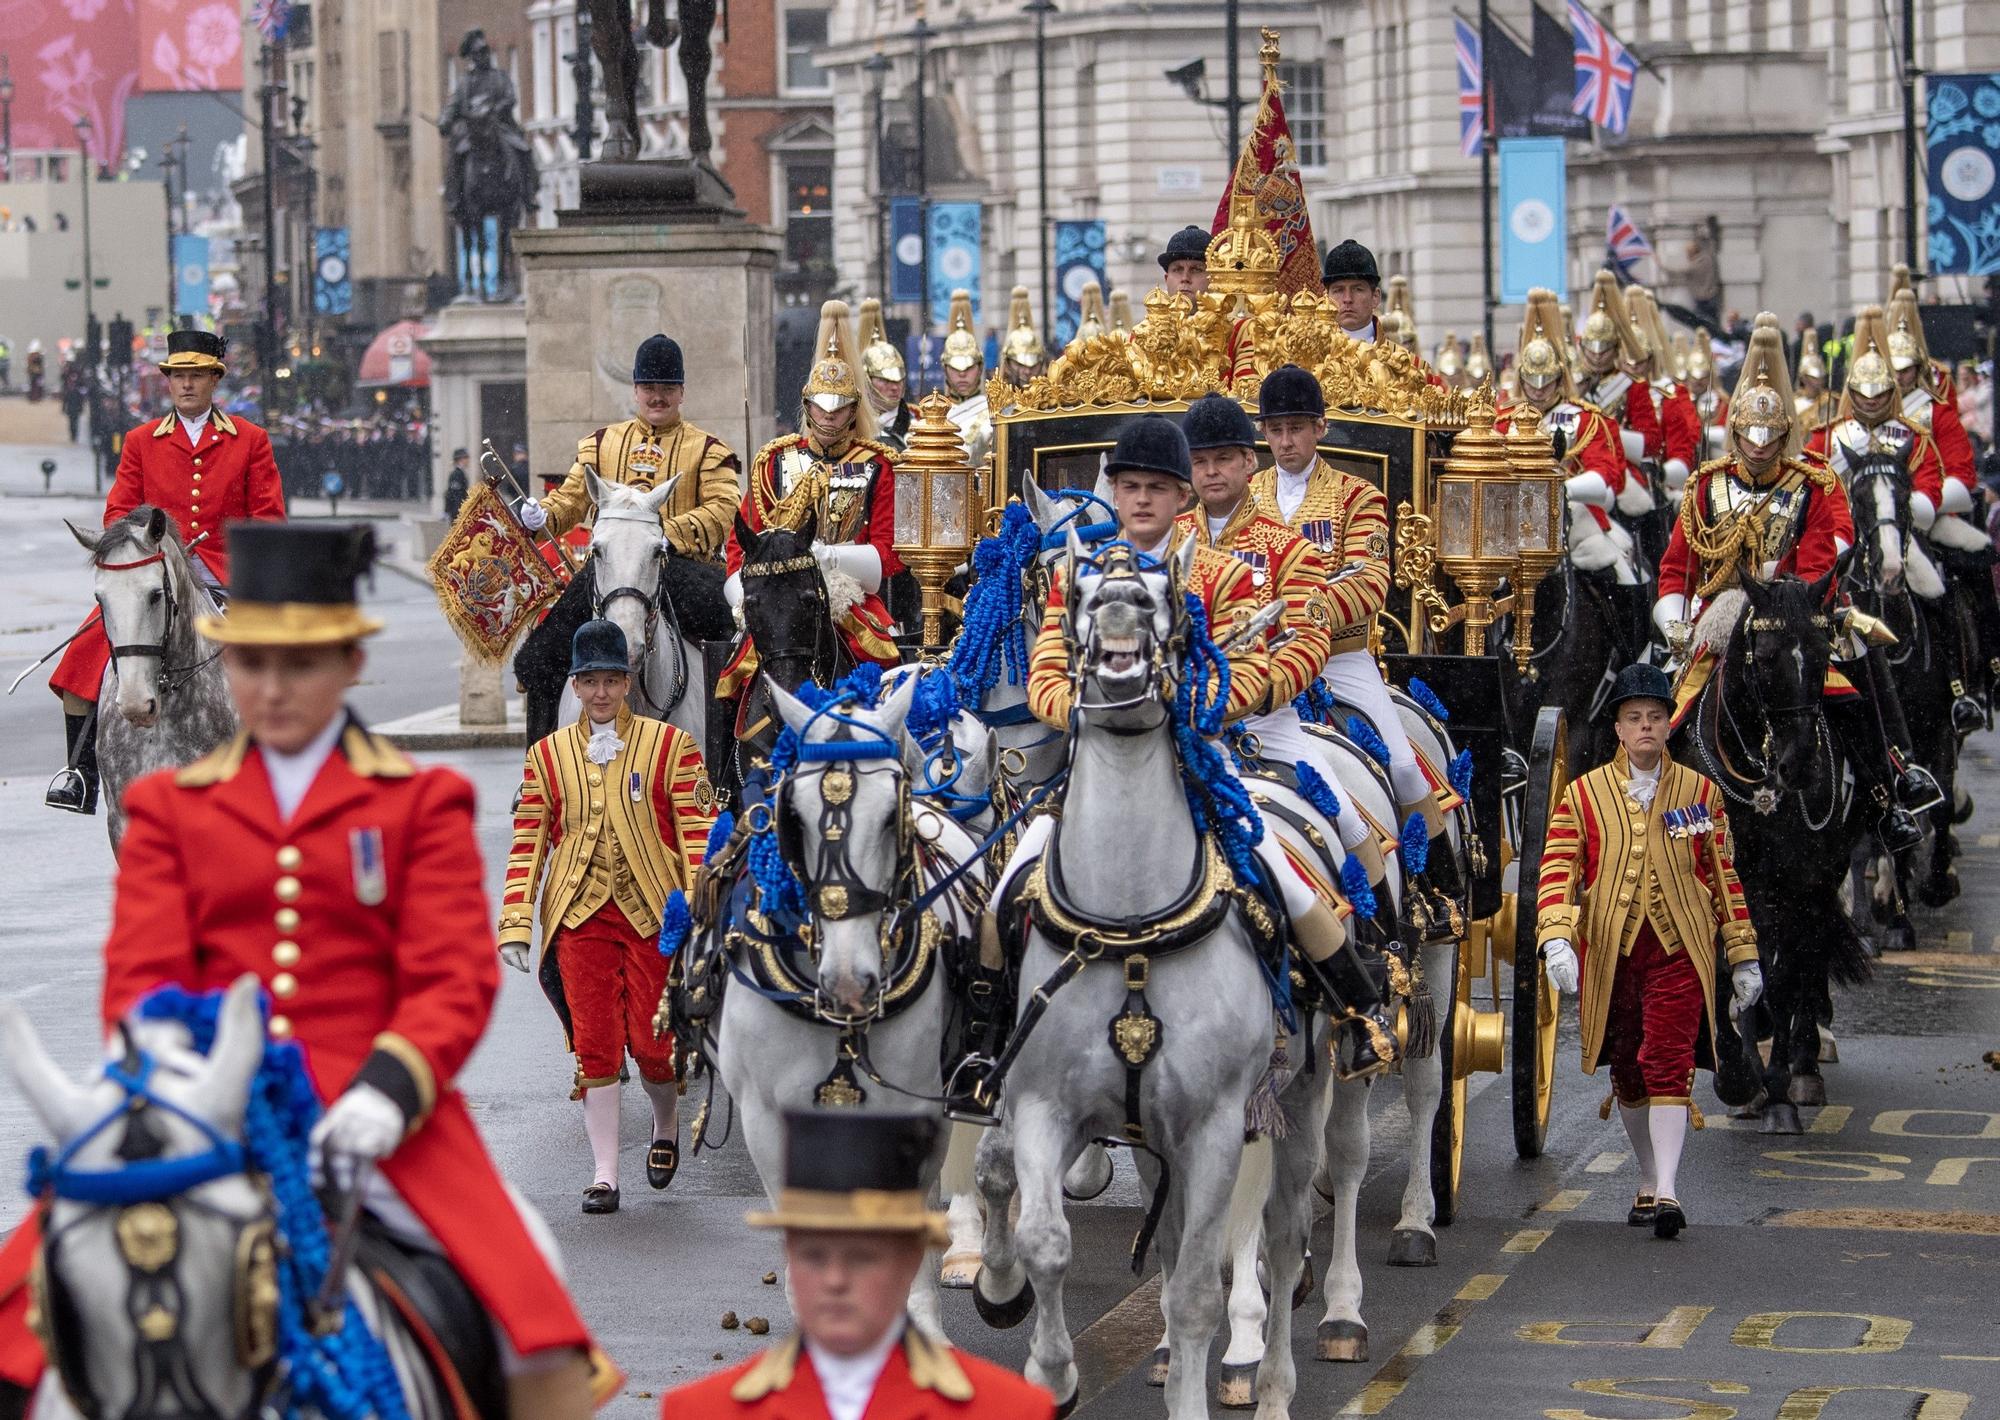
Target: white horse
628, 558
164, 701
215, 1295
1126, 805
855, 827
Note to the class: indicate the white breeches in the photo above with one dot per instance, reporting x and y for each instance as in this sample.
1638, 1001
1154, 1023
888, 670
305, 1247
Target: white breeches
1354, 677
1284, 741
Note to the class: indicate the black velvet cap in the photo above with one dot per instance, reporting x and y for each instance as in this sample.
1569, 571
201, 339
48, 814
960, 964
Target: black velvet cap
1350, 261
1290, 389
1215, 421
1151, 443
1188, 244
658, 362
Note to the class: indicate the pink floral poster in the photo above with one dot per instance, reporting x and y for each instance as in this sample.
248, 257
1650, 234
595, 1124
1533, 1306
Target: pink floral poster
71, 59
189, 44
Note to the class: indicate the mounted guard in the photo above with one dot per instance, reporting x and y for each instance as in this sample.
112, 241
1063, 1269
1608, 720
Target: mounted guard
888, 385
964, 363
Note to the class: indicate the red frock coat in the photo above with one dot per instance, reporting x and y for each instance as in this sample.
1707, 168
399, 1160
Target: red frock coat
366, 919
231, 475
1927, 472
922, 1380
1680, 424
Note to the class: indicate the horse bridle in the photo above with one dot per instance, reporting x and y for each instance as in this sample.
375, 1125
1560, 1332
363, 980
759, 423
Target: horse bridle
825, 643
1716, 758
654, 602
1120, 564
148, 1192
171, 677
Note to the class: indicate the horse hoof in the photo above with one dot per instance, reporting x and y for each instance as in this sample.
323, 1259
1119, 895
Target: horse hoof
1829, 1048
1156, 1369
1005, 1316
1343, 1341
1961, 809
1085, 1187
1807, 1090
959, 1270
1940, 888
1781, 1119
1064, 1408
1236, 1387
1412, 1247
1900, 938
1307, 1284
1752, 1110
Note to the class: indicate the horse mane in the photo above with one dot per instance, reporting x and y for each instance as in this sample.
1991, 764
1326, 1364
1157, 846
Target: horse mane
1716, 627
129, 533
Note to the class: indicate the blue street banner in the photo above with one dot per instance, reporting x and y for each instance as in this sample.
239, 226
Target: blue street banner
1962, 146
906, 251
1533, 221
333, 286
1079, 258
190, 275
954, 243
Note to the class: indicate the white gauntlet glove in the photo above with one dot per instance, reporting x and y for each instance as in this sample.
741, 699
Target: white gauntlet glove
1923, 512
1559, 961
856, 559
1590, 488
515, 954
1747, 985
534, 517
363, 1124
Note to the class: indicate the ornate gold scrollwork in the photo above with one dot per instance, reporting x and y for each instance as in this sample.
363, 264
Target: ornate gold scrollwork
1416, 564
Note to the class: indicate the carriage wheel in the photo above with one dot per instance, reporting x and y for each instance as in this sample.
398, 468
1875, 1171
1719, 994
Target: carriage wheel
1448, 1129
1534, 999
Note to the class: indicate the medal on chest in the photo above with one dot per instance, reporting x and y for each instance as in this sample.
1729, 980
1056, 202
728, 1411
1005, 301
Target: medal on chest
1690, 822
1323, 533
1259, 564
1563, 419
371, 874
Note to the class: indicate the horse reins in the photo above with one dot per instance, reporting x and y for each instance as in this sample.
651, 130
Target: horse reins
171, 677
660, 601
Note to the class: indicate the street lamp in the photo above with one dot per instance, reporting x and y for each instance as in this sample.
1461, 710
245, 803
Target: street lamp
7, 115
877, 68
1041, 10
922, 35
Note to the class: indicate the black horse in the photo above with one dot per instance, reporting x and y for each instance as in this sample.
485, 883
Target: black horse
1759, 730
1582, 639
789, 619
1920, 669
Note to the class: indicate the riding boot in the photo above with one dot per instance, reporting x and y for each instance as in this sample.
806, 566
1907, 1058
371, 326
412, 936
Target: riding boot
1355, 991
989, 1010
561, 1392
1871, 757
1916, 788
75, 788
1973, 571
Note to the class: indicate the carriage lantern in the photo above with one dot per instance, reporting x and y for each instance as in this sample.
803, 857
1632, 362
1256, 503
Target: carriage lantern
1477, 532
937, 517
1538, 508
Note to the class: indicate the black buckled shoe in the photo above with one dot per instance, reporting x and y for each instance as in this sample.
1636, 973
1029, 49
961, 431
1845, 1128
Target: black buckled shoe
663, 1161
72, 791
1644, 1208
600, 1198
1371, 1044
1668, 1219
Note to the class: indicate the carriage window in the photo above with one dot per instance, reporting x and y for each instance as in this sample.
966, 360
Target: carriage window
805, 34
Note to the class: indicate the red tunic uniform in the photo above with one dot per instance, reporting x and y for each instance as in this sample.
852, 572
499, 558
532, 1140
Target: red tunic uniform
203, 488
1680, 425
921, 1380
366, 921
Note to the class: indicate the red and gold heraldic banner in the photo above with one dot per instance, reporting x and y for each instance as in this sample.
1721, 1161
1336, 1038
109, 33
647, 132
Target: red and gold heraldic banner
491, 581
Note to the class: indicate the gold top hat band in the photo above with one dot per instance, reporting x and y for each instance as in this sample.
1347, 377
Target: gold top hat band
246, 623
869, 1210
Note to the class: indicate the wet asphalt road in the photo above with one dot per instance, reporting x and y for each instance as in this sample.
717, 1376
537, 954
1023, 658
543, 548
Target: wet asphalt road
1837, 1274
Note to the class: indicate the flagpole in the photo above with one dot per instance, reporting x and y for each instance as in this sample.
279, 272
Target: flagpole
1486, 140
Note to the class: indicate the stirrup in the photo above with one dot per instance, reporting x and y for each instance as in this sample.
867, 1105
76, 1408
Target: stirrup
967, 1100
1917, 789
1966, 713
71, 791
1898, 829
1374, 1049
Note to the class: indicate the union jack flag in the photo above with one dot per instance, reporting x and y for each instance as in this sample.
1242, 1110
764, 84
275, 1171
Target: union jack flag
1605, 72
271, 17
1624, 243
1471, 88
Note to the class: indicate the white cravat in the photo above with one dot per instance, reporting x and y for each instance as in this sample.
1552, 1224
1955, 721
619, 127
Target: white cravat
1643, 785
1216, 525
1292, 489
293, 774
194, 428
604, 742
1366, 333
848, 1382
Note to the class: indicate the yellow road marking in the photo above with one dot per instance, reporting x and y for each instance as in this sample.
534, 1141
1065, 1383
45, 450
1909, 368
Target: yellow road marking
1958, 941
1527, 1240
1609, 1162
1832, 1119
1374, 1398
1989, 840
1565, 1202
1479, 1288
1429, 1339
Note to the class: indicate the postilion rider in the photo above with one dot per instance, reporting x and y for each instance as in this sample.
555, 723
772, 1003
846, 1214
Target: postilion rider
643, 452
316, 856
614, 813
205, 468
1150, 474
856, 1228
1637, 885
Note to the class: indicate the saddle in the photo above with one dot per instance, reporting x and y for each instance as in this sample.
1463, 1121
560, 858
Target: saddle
446, 1319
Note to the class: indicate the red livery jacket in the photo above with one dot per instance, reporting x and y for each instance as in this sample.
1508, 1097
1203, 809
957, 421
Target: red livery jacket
230, 475
1680, 425
366, 919
922, 1380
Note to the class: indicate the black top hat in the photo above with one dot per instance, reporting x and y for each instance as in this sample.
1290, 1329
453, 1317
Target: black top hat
658, 362
194, 350
1640, 682
598, 646
1151, 443
1290, 389
1351, 261
292, 584
457, 454
1215, 421
848, 1171
1188, 244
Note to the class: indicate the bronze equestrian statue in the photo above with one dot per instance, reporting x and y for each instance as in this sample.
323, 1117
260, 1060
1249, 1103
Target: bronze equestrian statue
617, 48
489, 169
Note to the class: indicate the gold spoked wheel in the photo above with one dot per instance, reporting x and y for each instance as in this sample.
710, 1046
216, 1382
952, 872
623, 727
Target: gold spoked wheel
1534, 999
1448, 1129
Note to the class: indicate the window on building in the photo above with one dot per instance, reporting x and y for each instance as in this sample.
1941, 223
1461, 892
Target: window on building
805, 35
1085, 147
1305, 110
1333, 127
809, 214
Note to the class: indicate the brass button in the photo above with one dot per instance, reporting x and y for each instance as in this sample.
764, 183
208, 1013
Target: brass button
281, 1027
284, 986
286, 953
1631, 875
287, 919
197, 464
287, 889
597, 806
289, 858
595, 777
1638, 850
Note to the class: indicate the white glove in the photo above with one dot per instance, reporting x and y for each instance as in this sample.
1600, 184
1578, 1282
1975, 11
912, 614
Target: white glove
1591, 489
1677, 474
1559, 962
1746, 986
1635, 444
363, 1124
1923, 512
515, 954
732, 592
534, 517
857, 559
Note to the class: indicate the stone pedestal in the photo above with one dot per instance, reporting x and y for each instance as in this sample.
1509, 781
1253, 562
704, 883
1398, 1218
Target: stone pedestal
481, 701
595, 289
479, 374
